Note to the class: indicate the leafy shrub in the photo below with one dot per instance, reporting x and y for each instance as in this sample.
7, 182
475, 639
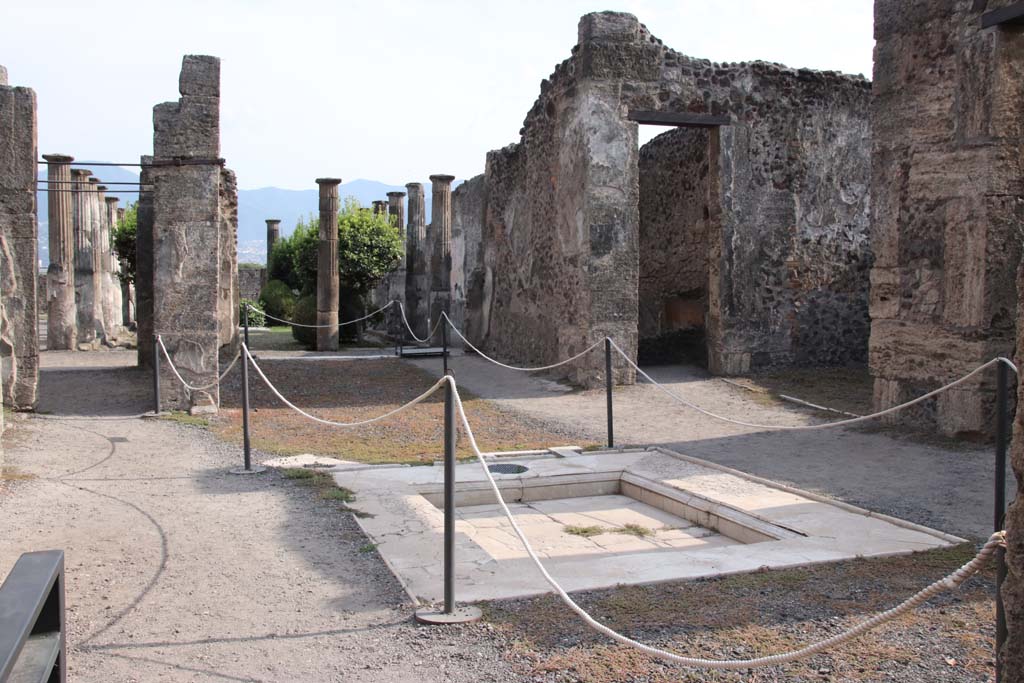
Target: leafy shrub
305, 313
277, 299
256, 316
124, 242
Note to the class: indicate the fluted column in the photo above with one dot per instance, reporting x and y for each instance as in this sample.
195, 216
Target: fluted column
396, 210
327, 283
379, 207
441, 227
113, 269
99, 258
417, 261
61, 314
82, 229
273, 232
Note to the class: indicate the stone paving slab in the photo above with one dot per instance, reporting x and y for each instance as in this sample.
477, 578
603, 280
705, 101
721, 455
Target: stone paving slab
706, 520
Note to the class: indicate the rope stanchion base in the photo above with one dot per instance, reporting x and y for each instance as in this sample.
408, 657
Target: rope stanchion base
255, 469
465, 614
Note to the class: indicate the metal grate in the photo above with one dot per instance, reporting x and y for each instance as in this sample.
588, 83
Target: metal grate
507, 468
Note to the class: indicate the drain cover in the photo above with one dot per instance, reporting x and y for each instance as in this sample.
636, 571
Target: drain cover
507, 468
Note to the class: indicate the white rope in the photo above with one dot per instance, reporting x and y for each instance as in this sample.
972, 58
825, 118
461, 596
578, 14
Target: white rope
823, 425
430, 335
437, 385
295, 324
189, 387
512, 367
951, 582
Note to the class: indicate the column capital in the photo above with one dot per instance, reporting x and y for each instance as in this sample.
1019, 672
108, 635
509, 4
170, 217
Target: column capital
58, 158
273, 221
112, 200
81, 173
412, 187
328, 181
93, 180
441, 178
101, 188
396, 194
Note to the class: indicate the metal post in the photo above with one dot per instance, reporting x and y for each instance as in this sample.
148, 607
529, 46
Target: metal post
245, 319
444, 343
246, 443
449, 498
450, 613
608, 382
1002, 439
156, 376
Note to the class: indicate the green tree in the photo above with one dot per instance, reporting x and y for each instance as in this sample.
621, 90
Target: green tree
124, 242
369, 247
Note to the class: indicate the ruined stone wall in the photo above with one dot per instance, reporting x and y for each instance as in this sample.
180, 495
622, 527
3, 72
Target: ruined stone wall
674, 232
1013, 587
191, 205
19, 343
250, 282
792, 255
947, 184
227, 310
469, 204
144, 265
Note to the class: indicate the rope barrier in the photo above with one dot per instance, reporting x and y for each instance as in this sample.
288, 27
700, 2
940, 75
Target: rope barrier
950, 582
430, 334
513, 367
823, 425
295, 324
181, 379
419, 399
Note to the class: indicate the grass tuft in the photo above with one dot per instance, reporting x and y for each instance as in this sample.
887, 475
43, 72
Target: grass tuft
635, 530
584, 531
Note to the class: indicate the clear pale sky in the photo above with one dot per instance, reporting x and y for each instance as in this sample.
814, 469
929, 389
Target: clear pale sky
390, 91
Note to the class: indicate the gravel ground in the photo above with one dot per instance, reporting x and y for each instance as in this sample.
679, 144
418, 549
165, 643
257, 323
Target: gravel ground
943, 485
179, 571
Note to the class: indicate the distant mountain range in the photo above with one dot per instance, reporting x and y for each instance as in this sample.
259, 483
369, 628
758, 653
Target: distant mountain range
254, 207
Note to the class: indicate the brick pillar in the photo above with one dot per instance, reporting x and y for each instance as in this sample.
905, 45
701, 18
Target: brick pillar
327, 283
61, 314
19, 245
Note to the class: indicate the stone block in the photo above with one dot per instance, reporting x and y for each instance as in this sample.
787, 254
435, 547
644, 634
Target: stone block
17, 201
886, 292
20, 226
612, 27
893, 17
18, 130
189, 128
200, 76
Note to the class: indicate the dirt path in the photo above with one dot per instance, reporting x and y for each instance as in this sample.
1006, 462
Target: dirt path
179, 571
949, 489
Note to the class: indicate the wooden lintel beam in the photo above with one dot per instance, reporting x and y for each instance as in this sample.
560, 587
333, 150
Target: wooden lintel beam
1011, 14
682, 120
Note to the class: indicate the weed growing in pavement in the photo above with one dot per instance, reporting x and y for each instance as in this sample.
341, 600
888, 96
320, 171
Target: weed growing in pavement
584, 531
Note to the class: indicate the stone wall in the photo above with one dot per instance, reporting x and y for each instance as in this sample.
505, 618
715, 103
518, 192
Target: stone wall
144, 265
469, 204
227, 307
19, 342
562, 221
947, 183
250, 282
674, 235
1013, 587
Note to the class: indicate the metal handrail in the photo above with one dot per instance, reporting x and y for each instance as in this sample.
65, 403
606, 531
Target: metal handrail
32, 625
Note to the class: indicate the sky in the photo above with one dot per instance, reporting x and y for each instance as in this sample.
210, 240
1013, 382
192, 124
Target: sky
389, 91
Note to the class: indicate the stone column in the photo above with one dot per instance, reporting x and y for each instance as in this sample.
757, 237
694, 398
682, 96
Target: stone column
19, 245
98, 218
441, 249
273, 232
61, 314
327, 284
417, 263
113, 269
379, 207
397, 278
84, 284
